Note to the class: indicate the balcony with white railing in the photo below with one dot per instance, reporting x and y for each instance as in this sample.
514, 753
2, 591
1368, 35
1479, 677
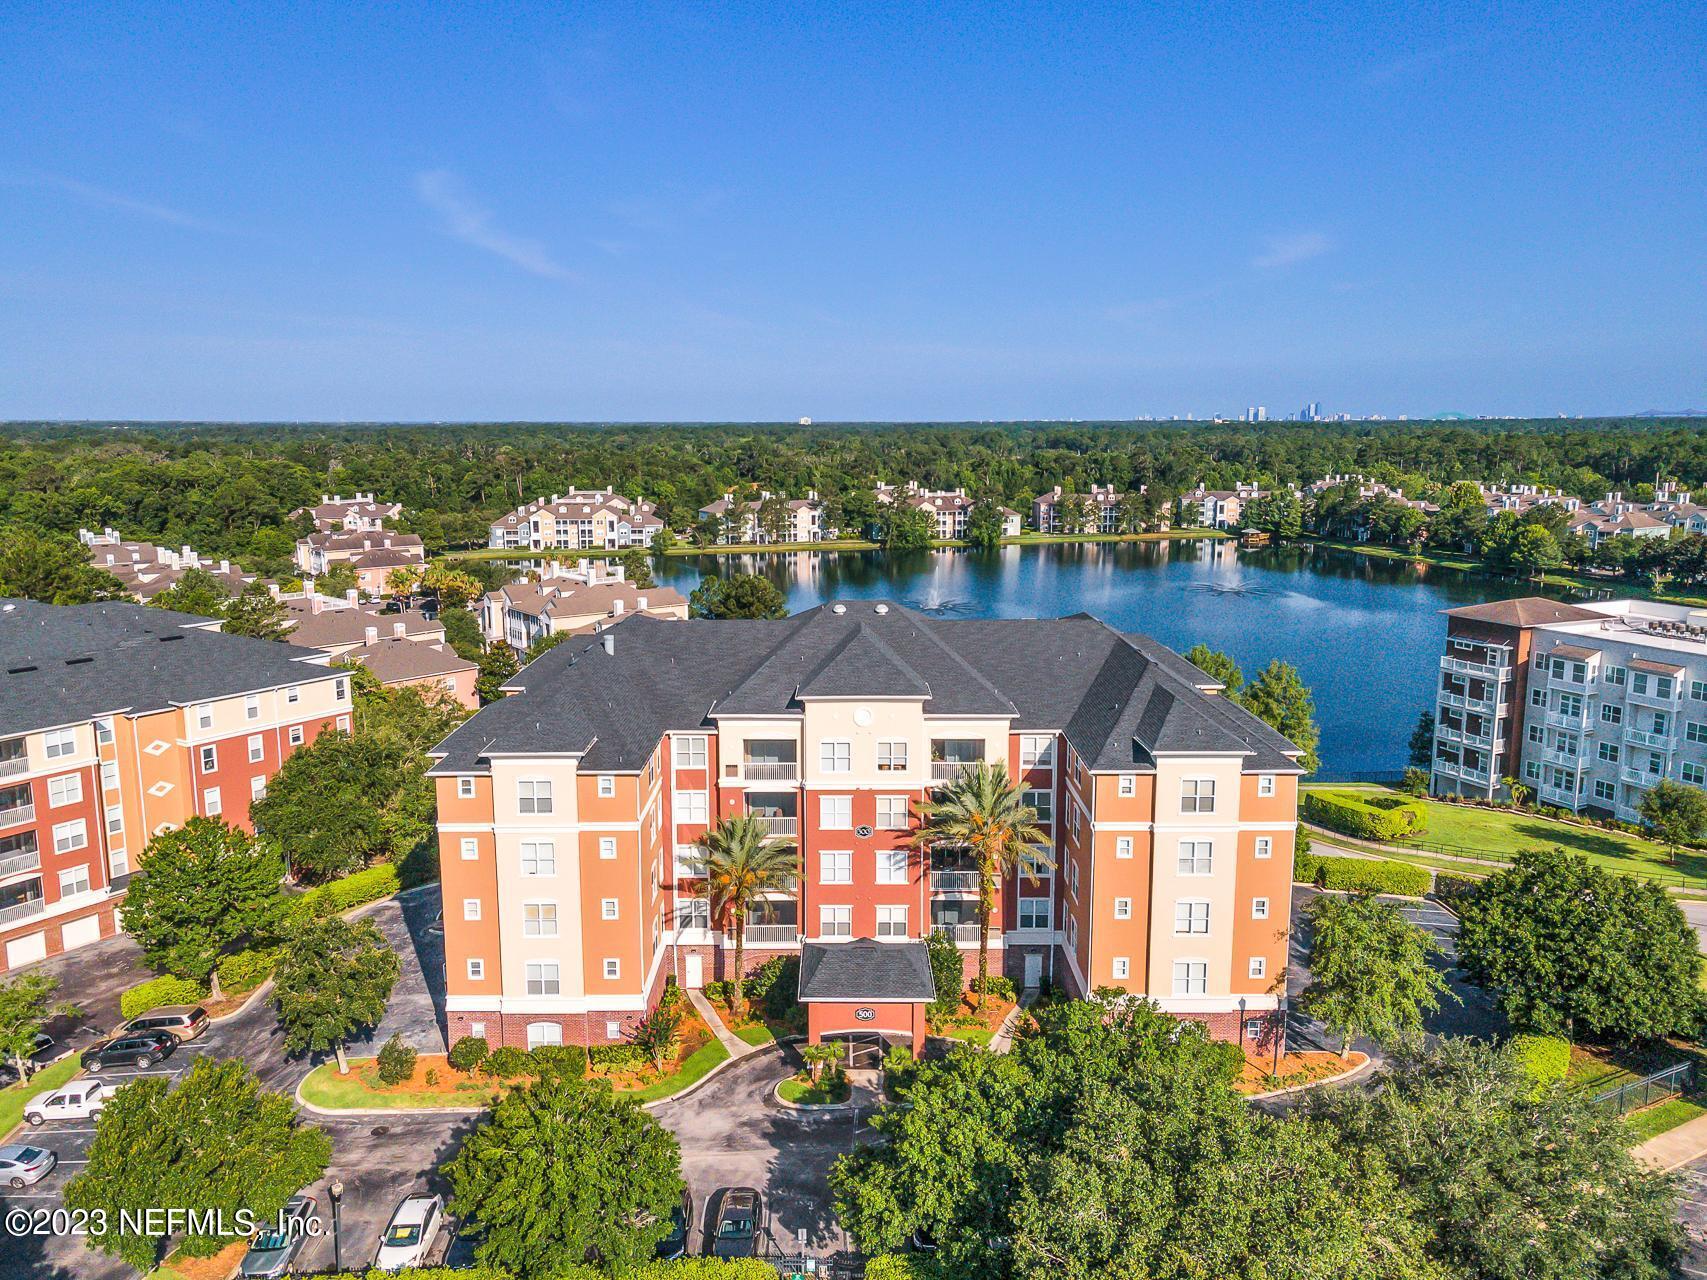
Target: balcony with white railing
26, 907
1576, 722
17, 863
766, 770
1557, 796
13, 760
954, 881
1569, 759
960, 932
771, 934
17, 815
1643, 738
1482, 670
1465, 702
1639, 777
778, 824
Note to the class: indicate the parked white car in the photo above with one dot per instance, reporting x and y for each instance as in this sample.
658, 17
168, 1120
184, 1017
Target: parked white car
410, 1233
79, 1100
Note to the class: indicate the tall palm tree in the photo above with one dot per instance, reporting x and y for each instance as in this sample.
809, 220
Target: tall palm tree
983, 812
740, 861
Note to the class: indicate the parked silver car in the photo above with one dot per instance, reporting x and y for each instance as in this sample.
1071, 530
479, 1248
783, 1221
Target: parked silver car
22, 1165
272, 1251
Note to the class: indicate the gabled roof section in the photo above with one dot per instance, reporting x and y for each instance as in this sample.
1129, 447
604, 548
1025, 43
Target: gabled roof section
1525, 611
862, 665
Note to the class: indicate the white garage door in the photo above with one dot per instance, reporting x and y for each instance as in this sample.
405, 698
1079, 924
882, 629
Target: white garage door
26, 950
78, 932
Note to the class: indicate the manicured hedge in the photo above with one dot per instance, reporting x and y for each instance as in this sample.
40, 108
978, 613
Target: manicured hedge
1368, 816
616, 1055
1362, 875
165, 989
246, 970
1546, 1059
378, 881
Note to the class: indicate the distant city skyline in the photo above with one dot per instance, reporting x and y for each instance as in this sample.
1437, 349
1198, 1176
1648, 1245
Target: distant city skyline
961, 213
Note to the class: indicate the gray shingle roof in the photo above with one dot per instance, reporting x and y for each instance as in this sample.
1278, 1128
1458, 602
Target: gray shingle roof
63, 664
866, 969
1118, 698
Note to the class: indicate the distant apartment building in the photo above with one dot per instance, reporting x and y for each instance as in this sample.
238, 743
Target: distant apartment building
373, 554
949, 508
1217, 508
569, 814
568, 601
582, 519
740, 522
145, 570
1521, 499
1103, 501
1589, 705
402, 647
360, 513
1676, 507
118, 722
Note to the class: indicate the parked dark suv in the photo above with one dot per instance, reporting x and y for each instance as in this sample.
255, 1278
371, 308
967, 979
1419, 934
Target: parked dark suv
143, 1049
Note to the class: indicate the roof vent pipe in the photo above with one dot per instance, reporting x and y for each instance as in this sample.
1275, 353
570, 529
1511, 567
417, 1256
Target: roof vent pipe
880, 608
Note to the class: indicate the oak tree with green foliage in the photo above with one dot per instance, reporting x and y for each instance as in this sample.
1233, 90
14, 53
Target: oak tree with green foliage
204, 888
1674, 814
53, 568
906, 528
331, 983
637, 567
197, 592
255, 613
1370, 970
1570, 949
1510, 1182
563, 1173
984, 524
741, 595
26, 1005
1282, 700
1217, 665
213, 1142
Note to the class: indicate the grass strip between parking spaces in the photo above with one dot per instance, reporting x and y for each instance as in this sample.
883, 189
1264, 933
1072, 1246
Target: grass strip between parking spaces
698, 1065
806, 1093
13, 1098
756, 1034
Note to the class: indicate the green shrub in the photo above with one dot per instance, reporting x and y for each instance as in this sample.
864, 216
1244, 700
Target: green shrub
1362, 875
1415, 782
165, 989
378, 881
616, 1055
902, 1266
506, 1062
468, 1053
432, 1077
721, 992
774, 986
246, 970
1545, 1059
760, 981
1453, 889
1301, 840
1367, 816
396, 1061
997, 986
560, 1059
948, 971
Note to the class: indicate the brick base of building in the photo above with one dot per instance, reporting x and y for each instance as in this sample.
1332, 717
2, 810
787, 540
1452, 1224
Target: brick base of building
53, 932
512, 1028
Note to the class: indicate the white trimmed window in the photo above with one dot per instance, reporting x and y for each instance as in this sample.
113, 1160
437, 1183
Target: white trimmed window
465, 788
1265, 847
613, 968
539, 919
607, 786
65, 790
1036, 752
892, 813
691, 806
533, 795
690, 752
257, 788
59, 743
541, 1034
892, 922
1034, 913
1123, 846
1197, 795
607, 848
1191, 977
210, 759
257, 748
212, 804
295, 735
1259, 908
341, 689
476, 972
835, 866
471, 908
539, 857
115, 819
1123, 908
1259, 967
1122, 968
542, 978
470, 849
835, 757
68, 836
1191, 915
1128, 785
613, 1029
1196, 858
835, 922
835, 813
891, 866
204, 717
1694, 774
1043, 802
109, 776
73, 880
891, 757
104, 731
252, 707
293, 694
1265, 784
608, 908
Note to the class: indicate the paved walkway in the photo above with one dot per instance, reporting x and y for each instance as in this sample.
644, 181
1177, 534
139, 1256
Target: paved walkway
738, 1048
1675, 1147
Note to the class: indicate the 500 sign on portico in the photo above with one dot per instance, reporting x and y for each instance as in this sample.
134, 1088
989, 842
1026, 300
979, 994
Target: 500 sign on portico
570, 811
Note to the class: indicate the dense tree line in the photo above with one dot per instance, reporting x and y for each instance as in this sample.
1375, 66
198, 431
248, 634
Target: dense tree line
228, 489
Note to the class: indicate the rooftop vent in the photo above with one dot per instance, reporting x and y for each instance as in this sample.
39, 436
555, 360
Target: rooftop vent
880, 608
838, 608
18, 671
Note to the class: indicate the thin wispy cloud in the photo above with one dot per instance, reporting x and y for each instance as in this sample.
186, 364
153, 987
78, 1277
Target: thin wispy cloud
1405, 66
1284, 251
87, 193
467, 220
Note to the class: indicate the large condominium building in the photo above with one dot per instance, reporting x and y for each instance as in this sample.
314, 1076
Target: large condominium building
522, 612
118, 722
1047, 515
145, 570
596, 519
1615, 516
949, 508
1217, 508
742, 519
1587, 705
372, 554
361, 513
569, 814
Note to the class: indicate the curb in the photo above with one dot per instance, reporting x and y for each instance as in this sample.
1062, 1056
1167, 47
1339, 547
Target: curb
378, 1111
1344, 1077
706, 1079
850, 1105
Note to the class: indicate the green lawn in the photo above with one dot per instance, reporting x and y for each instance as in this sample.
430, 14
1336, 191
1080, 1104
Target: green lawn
699, 1062
1499, 834
12, 1099
324, 1087
1656, 1120
972, 1034
806, 1094
756, 1034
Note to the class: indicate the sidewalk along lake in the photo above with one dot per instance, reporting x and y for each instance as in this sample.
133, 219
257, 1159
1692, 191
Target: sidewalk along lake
1364, 633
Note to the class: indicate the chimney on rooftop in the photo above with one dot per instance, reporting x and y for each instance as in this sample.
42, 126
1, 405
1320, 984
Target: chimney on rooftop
352, 596
616, 609
372, 634
609, 642
640, 603
399, 629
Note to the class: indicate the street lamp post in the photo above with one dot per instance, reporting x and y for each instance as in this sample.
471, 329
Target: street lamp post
1242, 1025
337, 1193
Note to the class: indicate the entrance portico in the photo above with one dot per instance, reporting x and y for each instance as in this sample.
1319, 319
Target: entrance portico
866, 988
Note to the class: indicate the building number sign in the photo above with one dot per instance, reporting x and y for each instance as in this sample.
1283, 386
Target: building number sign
865, 1015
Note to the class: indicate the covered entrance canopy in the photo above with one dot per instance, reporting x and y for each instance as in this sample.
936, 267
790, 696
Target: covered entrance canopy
866, 987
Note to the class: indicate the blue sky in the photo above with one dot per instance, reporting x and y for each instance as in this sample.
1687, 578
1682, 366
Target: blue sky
858, 211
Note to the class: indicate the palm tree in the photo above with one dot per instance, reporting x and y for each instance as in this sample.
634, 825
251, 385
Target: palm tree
1517, 791
740, 861
982, 811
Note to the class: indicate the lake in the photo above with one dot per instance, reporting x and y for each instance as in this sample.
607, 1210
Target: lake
1364, 633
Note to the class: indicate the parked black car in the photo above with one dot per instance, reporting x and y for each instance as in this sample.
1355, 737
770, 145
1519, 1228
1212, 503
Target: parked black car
675, 1245
144, 1049
735, 1230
